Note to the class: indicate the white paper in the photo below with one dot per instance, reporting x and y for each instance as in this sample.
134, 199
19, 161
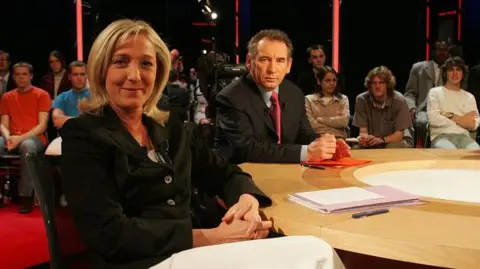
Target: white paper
339, 196
448, 184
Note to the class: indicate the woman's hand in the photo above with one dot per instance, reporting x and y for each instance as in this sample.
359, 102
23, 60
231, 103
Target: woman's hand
247, 209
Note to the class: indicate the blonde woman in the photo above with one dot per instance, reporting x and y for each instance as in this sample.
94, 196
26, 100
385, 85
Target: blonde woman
327, 109
128, 169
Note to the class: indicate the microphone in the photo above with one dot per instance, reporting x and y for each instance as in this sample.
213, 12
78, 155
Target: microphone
282, 106
266, 111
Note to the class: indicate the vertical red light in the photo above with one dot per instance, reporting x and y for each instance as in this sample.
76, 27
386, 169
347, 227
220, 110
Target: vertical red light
459, 21
237, 34
427, 31
79, 25
336, 35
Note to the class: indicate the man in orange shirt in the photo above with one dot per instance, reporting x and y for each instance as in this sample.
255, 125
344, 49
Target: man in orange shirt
23, 123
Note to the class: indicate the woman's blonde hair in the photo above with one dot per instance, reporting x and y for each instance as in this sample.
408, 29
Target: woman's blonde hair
100, 58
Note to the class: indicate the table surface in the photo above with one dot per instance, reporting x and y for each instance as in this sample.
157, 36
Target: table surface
439, 233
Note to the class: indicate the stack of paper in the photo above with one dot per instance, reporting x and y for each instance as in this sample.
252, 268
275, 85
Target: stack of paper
354, 198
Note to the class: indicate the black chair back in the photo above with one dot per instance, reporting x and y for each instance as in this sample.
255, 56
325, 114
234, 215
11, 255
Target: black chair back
65, 246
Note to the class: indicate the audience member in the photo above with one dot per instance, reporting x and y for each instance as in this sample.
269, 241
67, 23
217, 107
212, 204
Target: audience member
381, 113
261, 117
424, 76
307, 80
24, 121
65, 105
56, 81
6, 82
114, 155
452, 111
328, 110
473, 82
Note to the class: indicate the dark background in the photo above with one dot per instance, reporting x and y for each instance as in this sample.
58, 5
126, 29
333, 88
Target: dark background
373, 32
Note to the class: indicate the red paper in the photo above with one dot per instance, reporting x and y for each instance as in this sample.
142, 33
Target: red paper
342, 162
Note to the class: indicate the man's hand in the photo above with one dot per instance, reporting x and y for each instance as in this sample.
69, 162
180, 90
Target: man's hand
204, 121
322, 148
413, 114
364, 139
375, 141
343, 150
247, 209
13, 142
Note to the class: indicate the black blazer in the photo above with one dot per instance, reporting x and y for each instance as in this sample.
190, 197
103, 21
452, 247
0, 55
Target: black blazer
11, 85
473, 84
130, 211
245, 131
307, 82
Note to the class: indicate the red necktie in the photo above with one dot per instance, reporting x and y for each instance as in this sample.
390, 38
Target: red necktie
276, 115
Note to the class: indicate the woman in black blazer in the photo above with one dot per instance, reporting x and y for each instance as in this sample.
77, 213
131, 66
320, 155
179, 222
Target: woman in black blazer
128, 168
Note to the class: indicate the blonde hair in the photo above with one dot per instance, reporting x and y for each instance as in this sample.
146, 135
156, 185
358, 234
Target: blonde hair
100, 57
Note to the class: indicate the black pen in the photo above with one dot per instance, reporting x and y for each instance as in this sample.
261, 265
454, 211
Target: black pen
371, 213
313, 166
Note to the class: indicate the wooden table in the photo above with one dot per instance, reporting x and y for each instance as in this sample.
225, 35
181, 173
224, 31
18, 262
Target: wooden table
439, 233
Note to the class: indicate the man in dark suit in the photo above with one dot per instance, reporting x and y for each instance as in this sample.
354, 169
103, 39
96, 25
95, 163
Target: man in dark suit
307, 81
473, 84
423, 76
261, 117
6, 80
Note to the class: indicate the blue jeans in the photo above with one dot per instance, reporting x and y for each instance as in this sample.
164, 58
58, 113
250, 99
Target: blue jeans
454, 141
30, 145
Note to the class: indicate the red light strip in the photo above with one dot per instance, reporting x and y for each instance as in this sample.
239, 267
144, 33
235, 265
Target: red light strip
459, 21
427, 31
447, 13
336, 35
204, 24
79, 26
237, 31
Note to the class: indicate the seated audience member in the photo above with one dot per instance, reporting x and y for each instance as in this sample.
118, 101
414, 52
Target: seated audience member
261, 117
307, 81
65, 105
474, 82
381, 113
114, 154
423, 76
7, 83
24, 121
452, 112
328, 110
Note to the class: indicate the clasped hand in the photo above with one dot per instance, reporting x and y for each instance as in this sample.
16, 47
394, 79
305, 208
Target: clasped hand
243, 221
13, 141
328, 147
369, 140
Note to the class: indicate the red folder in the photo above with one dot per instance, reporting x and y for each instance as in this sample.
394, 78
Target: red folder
344, 162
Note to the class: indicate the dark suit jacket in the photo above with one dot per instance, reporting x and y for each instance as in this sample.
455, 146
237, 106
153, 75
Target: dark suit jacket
130, 211
473, 82
307, 82
48, 84
245, 130
11, 85
178, 101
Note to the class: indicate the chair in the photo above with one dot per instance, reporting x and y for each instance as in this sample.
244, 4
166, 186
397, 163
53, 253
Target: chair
64, 244
10, 171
